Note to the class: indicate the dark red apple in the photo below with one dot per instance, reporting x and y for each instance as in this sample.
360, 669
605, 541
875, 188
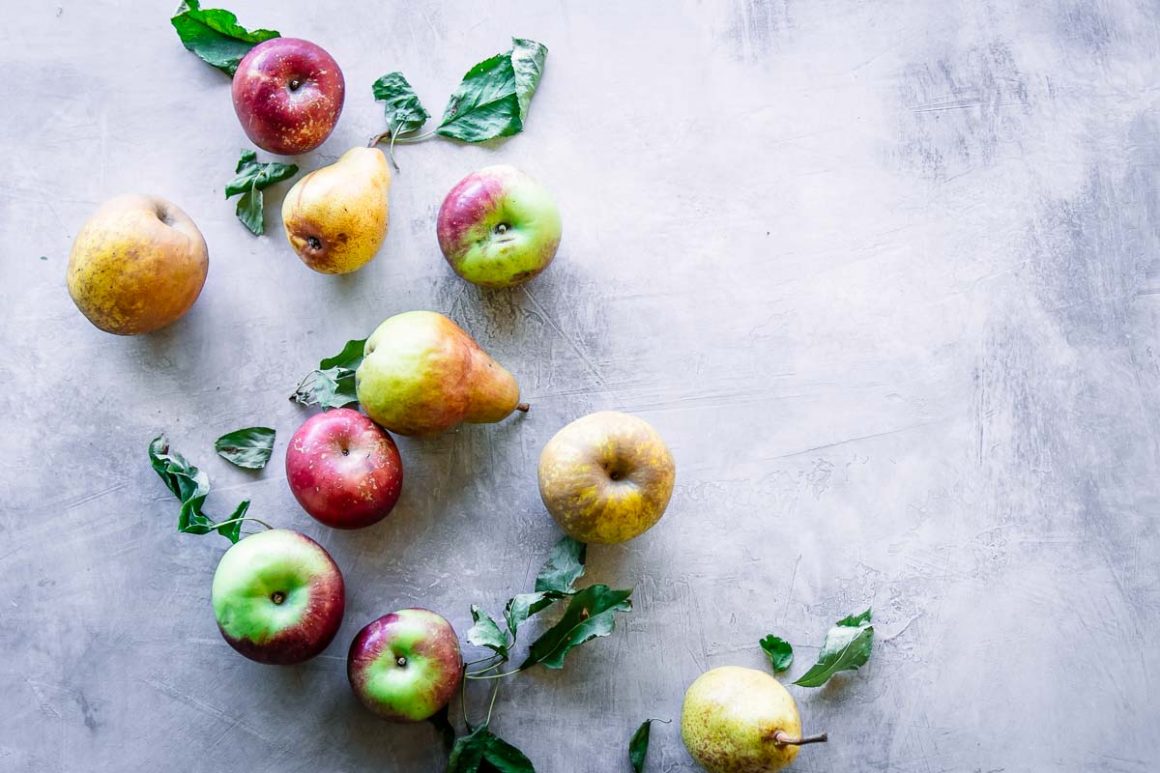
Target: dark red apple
344, 469
278, 597
406, 665
288, 94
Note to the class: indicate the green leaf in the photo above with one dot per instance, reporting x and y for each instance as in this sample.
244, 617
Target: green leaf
332, 384
779, 651
215, 35
485, 633
251, 178
522, 606
564, 566
528, 58
481, 751
638, 746
493, 98
231, 528
250, 447
404, 111
590, 614
846, 648
191, 486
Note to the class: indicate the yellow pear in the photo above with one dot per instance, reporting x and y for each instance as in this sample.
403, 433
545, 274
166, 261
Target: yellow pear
336, 217
136, 265
741, 720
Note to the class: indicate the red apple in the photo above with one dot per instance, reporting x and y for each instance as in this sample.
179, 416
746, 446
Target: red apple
406, 665
288, 94
278, 597
344, 469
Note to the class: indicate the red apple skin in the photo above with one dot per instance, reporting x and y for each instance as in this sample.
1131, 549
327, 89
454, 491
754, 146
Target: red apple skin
344, 469
288, 94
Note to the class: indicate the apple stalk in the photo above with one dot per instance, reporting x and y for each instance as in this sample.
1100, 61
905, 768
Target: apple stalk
782, 738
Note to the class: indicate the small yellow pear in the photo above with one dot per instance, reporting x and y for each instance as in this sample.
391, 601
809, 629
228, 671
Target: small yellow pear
336, 217
740, 720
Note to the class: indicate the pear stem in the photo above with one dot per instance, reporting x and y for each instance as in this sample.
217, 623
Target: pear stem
782, 738
523, 407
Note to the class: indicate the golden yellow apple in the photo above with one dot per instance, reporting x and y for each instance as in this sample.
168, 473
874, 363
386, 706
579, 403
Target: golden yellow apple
137, 265
606, 477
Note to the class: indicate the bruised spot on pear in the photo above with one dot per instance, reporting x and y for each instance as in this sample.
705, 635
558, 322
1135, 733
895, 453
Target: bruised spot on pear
422, 374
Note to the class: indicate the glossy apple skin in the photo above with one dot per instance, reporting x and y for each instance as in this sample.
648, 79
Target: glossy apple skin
278, 597
498, 227
606, 477
406, 665
344, 469
288, 94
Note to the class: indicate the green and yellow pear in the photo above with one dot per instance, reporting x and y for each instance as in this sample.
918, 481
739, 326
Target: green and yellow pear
336, 217
422, 374
740, 720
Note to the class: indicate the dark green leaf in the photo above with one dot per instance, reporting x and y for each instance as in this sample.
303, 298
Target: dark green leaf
519, 608
231, 528
590, 614
350, 357
467, 753
404, 111
779, 651
485, 633
502, 757
332, 384
638, 746
251, 178
250, 447
564, 566
215, 35
528, 62
846, 648
492, 99
191, 486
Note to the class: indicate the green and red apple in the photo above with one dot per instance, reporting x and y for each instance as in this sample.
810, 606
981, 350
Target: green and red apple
278, 597
288, 94
498, 227
606, 477
405, 666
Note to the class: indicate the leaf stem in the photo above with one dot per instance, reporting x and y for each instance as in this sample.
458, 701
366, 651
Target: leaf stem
490, 706
217, 526
782, 738
484, 675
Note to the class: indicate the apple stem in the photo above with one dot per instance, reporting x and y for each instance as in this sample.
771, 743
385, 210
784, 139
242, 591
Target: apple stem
239, 520
523, 407
782, 738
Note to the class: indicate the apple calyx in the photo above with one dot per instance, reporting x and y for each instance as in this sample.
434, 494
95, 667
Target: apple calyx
782, 738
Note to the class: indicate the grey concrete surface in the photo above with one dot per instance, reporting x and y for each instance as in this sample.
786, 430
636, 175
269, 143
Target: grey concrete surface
885, 275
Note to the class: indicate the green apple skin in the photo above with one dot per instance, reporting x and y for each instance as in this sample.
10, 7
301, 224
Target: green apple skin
278, 597
498, 227
731, 717
406, 665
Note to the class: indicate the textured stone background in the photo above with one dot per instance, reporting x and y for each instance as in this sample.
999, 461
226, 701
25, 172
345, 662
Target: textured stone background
886, 275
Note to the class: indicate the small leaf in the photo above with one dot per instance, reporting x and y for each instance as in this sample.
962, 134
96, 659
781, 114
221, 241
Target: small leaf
590, 614
492, 99
522, 606
231, 528
215, 35
846, 648
250, 447
564, 566
485, 633
251, 178
191, 486
332, 384
638, 746
779, 651
481, 751
405, 113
